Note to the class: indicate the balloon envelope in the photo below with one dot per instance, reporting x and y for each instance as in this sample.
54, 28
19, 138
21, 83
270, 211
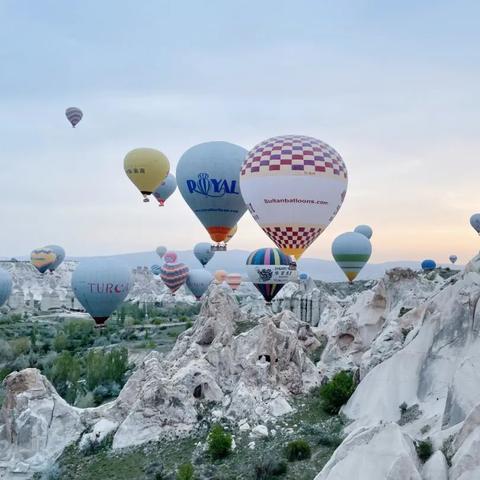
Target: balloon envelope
208, 179
74, 115
303, 276
364, 230
5, 286
101, 285
429, 265
269, 269
43, 259
146, 168
198, 281
453, 258
203, 252
161, 251
170, 257
220, 276
165, 189
293, 186
475, 222
156, 269
234, 280
174, 275
351, 251
60, 254
231, 233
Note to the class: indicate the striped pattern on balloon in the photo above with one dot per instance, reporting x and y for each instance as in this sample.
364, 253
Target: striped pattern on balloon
351, 251
234, 280
74, 115
174, 276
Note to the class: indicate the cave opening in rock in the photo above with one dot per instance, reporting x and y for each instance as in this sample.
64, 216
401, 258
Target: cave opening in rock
345, 339
266, 357
198, 391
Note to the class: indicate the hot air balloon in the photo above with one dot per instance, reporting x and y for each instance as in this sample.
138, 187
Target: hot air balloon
161, 251
269, 270
208, 179
303, 277
234, 280
293, 186
156, 269
364, 230
475, 222
174, 275
5, 286
351, 251
453, 258
74, 115
43, 259
101, 285
220, 276
428, 265
165, 189
146, 168
60, 254
203, 252
198, 281
170, 257
231, 233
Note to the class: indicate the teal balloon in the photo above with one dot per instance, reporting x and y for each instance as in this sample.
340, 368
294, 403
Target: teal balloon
351, 251
475, 222
60, 253
208, 179
101, 285
364, 230
161, 251
165, 189
5, 286
203, 252
198, 281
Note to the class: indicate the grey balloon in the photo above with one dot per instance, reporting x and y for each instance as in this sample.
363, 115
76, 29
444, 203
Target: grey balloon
60, 253
365, 230
5, 286
204, 253
101, 285
198, 281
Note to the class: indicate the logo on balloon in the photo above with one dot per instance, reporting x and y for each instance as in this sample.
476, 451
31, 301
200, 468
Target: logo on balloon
108, 287
265, 274
211, 187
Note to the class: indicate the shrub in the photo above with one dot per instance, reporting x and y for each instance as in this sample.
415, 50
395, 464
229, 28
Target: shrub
219, 442
186, 472
270, 467
337, 391
424, 449
298, 450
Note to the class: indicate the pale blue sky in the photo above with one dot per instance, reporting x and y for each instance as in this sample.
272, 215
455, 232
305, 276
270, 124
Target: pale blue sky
393, 86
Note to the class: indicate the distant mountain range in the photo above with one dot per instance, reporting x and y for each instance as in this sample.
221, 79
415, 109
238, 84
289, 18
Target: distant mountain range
234, 261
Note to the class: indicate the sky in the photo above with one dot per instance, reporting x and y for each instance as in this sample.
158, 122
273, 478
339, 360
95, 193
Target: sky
392, 86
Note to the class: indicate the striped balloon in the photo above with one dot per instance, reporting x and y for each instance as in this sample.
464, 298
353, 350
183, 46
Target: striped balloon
174, 275
43, 259
453, 258
156, 269
234, 280
351, 251
74, 115
269, 270
170, 257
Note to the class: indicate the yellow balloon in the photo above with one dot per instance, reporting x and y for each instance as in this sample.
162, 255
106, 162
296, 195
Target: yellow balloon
147, 168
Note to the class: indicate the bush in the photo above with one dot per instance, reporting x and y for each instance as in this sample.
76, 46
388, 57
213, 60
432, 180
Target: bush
298, 450
185, 472
424, 449
219, 442
270, 467
337, 391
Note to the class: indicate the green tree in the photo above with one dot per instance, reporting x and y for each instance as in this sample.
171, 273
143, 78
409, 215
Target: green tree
298, 450
186, 472
60, 342
337, 391
219, 442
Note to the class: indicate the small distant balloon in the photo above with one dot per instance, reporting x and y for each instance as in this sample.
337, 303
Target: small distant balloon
147, 168
165, 189
156, 269
351, 251
220, 276
43, 259
364, 230
475, 222
303, 277
234, 280
203, 252
453, 258
429, 265
74, 115
60, 256
161, 251
5, 286
174, 275
101, 285
269, 270
198, 281
170, 257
